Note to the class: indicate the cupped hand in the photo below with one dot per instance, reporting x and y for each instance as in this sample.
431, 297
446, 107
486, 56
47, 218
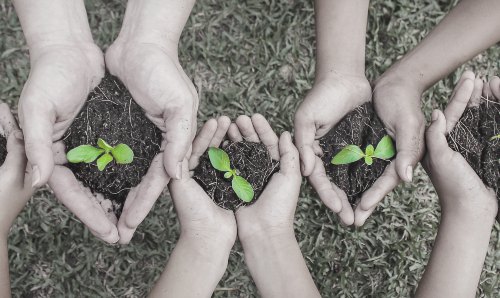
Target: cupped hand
459, 188
61, 77
273, 212
198, 215
15, 176
325, 105
156, 80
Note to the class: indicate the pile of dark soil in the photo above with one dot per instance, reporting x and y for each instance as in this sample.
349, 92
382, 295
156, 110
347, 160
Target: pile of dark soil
360, 127
3, 149
111, 113
253, 162
471, 138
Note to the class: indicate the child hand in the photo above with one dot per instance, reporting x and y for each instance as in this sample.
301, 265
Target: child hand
199, 216
273, 213
15, 177
460, 190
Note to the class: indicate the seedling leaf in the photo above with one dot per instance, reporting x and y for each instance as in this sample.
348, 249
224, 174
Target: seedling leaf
349, 154
369, 150
385, 148
242, 188
369, 160
495, 137
103, 161
83, 153
102, 144
219, 159
123, 154
228, 175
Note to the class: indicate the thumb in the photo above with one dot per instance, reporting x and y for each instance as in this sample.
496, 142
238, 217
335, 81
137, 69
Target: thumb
178, 136
305, 132
15, 162
410, 146
289, 156
436, 134
37, 122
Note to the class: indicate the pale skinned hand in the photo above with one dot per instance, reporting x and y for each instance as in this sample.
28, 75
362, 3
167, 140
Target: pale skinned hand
198, 215
459, 188
157, 82
15, 176
329, 100
273, 213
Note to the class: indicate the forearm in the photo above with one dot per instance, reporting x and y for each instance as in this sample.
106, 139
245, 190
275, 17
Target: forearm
46, 22
341, 36
457, 258
194, 269
277, 266
470, 28
155, 21
4, 268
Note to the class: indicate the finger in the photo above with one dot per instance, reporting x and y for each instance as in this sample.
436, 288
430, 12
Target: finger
246, 128
178, 135
360, 216
202, 142
495, 87
466, 75
222, 126
148, 191
289, 156
382, 186
324, 188
409, 142
15, 162
59, 152
266, 135
70, 193
7, 121
37, 121
346, 215
234, 133
435, 135
317, 149
475, 98
305, 132
458, 103
487, 94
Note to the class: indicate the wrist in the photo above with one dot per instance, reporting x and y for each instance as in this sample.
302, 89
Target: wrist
208, 243
274, 239
472, 213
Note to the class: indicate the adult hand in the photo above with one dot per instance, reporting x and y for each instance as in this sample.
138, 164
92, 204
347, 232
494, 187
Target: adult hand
330, 99
159, 85
15, 176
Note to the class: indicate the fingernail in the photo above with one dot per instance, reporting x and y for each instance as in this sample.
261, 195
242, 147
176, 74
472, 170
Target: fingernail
19, 135
36, 177
409, 173
178, 174
435, 115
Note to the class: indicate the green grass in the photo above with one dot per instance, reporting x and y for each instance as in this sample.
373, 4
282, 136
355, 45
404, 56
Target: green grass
246, 57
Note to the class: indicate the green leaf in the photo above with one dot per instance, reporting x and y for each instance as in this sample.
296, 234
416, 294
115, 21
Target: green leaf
83, 153
102, 144
349, 154
242, 188
219, 159
369, 160
495, 137
123, 154
385, 148
103, 161
369, 150
228, 175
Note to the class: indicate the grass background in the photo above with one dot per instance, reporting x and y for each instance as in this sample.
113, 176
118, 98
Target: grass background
246, 57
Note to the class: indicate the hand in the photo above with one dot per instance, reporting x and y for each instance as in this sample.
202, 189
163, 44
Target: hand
273, 213
325, 105
159, 85
461, 192
15, 176
198, 215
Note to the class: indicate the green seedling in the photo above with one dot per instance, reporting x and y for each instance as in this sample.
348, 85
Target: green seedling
220, 161
495, 137
352, 153
106, 153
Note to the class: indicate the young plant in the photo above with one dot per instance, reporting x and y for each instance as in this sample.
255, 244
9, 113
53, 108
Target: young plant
121, 153
220, 161
352, 153
495, 137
